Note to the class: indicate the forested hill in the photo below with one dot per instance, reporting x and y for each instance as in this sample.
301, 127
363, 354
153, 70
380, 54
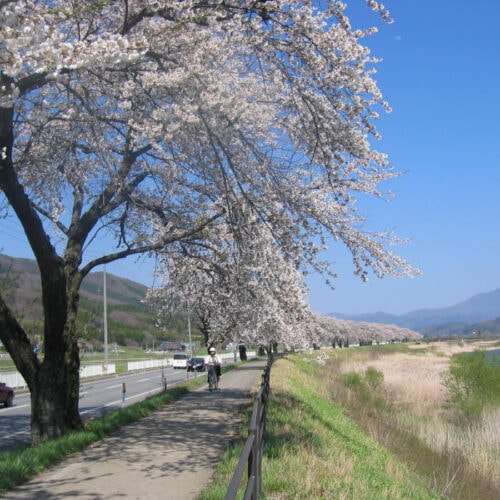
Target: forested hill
129, 319
21, 277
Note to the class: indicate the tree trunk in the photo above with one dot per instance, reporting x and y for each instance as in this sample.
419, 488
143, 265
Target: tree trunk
243, 352
55, 385
53, 382
54, 399
55, 391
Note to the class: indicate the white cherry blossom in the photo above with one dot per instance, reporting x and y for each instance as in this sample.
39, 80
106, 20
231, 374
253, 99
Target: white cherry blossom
166, 126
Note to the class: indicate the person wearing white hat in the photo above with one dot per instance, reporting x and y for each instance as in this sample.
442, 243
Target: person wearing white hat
214, 360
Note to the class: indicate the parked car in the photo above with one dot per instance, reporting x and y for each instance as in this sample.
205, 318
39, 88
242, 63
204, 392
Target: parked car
180, 361
6, 395
196, 365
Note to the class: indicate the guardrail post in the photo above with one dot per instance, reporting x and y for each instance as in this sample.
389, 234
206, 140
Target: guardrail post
254, 459
258, 450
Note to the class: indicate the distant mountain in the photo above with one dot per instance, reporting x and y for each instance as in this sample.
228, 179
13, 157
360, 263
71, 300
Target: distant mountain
118, 290
479, 309
20, 285
465, 329
21, 280
129, 318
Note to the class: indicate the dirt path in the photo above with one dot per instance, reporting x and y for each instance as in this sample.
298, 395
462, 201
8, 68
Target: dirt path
169, 455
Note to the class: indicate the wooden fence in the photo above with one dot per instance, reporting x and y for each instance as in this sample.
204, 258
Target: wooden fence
251, 456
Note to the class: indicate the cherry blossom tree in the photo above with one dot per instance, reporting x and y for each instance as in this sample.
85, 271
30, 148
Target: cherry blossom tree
341, 333
146, 123
238, 286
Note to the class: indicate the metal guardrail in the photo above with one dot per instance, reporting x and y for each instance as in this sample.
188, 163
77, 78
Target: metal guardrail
251, 456
15, 379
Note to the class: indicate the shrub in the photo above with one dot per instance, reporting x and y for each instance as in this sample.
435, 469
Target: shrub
352, 380
364, 386
473, 382
374, 378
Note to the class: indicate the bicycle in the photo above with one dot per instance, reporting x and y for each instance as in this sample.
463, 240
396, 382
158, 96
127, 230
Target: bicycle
213, 383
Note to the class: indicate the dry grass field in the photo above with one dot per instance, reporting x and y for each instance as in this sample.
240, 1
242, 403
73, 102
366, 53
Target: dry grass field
411, 406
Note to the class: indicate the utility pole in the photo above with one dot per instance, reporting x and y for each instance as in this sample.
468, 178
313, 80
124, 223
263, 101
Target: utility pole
105, 306
189, 331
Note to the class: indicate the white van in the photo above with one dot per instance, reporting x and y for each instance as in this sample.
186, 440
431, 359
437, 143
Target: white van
180, 361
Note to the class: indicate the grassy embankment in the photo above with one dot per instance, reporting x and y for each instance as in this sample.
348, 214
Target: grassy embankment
370, 423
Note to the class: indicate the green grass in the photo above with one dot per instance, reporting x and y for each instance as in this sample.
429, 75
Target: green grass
313, 450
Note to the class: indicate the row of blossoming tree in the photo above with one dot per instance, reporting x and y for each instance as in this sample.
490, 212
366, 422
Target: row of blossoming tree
230, 137
336, 332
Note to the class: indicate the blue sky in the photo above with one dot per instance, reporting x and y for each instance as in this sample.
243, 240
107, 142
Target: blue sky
441, 75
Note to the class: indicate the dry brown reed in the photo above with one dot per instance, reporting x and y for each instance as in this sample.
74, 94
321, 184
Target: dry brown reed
413, 386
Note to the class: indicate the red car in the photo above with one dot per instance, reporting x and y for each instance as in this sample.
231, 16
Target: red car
6, 394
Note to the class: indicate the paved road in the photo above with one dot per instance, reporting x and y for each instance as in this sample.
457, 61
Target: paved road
169, 455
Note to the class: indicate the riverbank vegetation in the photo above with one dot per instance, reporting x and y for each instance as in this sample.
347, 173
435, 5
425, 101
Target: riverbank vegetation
426, 405
376, 422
